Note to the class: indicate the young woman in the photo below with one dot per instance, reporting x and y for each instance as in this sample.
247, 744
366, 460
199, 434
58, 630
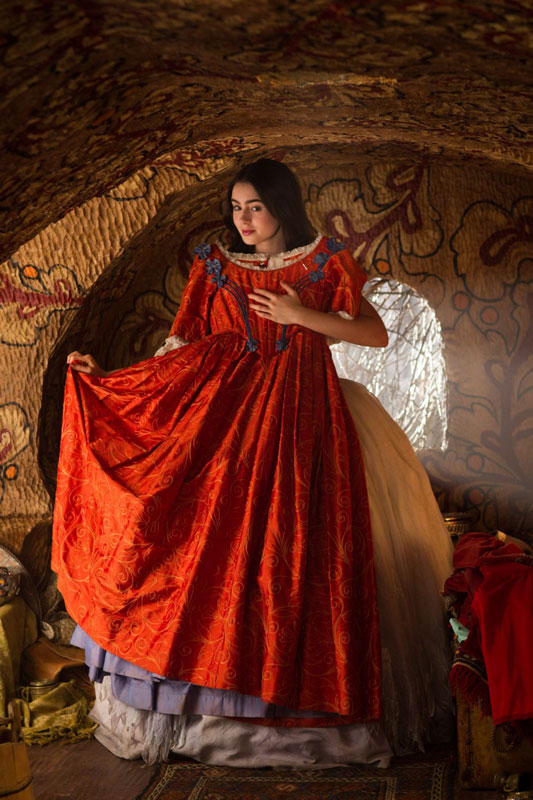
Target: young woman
220, 525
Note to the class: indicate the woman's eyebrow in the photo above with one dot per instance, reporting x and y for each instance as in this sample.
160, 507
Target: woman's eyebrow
253, 200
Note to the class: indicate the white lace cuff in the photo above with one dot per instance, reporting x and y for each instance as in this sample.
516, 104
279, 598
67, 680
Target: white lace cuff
172, 343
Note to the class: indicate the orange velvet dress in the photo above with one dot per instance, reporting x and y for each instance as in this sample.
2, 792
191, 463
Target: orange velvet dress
211, 519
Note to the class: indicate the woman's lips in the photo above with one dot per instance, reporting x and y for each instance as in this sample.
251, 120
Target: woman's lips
247, 232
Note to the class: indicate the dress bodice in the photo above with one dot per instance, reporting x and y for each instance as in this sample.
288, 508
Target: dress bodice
216, 299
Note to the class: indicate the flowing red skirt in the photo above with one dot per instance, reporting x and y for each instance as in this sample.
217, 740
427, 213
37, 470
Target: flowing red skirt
212, 524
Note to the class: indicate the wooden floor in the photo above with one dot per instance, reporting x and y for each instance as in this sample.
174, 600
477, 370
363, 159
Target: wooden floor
87, 771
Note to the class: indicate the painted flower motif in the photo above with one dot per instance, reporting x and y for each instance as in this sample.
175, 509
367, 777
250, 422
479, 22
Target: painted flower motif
493, 241
29, 297
203, 251
15, 436
389, 210
252, 345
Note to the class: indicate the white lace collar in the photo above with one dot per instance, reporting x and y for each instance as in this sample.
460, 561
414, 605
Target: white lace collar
269, 262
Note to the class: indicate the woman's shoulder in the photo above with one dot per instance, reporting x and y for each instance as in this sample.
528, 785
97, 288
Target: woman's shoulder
213, 254
342, 267
208, 260
338, 252
330, 245
333, 252
206, 250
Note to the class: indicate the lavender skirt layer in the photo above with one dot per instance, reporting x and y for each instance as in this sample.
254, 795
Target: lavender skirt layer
147, 691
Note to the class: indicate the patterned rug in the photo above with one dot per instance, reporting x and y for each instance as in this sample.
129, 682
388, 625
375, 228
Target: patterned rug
408, 779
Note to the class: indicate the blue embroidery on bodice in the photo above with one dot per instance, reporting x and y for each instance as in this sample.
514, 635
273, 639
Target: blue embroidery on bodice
307, 280
203, 250
314, 276
282, 343
213, 267
334, 246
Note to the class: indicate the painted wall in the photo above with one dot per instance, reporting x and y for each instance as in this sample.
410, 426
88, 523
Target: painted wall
109, 275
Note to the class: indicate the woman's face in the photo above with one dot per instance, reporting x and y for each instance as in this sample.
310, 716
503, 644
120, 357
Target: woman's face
254, 221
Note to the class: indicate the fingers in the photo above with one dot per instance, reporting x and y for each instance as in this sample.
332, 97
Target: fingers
73, 357
79, 367
267, 300
288, 288
262, 311
79, 361
273, 306
262, 295
262, 302
84, 362
258, 293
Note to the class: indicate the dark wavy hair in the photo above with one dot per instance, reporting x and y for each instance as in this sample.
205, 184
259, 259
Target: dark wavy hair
279, 190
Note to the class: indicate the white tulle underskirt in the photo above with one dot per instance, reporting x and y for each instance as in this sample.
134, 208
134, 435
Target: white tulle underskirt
130, 733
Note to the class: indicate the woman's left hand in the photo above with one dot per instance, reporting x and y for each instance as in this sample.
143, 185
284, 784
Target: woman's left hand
281, 308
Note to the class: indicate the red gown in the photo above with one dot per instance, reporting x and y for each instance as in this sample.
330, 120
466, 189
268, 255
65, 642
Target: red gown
211, 519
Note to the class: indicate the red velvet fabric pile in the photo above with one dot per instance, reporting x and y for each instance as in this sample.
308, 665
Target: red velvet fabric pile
492, 592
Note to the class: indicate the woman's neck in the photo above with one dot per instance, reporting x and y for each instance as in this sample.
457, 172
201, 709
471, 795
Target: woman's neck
275, 244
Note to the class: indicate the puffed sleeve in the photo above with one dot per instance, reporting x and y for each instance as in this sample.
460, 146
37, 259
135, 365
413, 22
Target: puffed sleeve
350, 280
192, 320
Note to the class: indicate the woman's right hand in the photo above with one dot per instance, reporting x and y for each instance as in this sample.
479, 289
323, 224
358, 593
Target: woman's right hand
85, 363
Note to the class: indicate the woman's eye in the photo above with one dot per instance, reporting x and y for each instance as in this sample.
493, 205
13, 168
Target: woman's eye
236, 208
257, 208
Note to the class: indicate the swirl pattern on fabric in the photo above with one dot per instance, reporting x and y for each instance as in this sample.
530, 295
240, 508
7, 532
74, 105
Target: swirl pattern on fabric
212, 521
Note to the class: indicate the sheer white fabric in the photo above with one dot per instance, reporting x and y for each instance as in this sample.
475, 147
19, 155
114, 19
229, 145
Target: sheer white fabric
130, 733
172, 343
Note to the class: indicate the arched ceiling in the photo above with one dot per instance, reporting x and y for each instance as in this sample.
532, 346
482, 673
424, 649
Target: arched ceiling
95, 90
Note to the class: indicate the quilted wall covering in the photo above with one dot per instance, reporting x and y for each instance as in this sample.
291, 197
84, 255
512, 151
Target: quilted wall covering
408, 125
